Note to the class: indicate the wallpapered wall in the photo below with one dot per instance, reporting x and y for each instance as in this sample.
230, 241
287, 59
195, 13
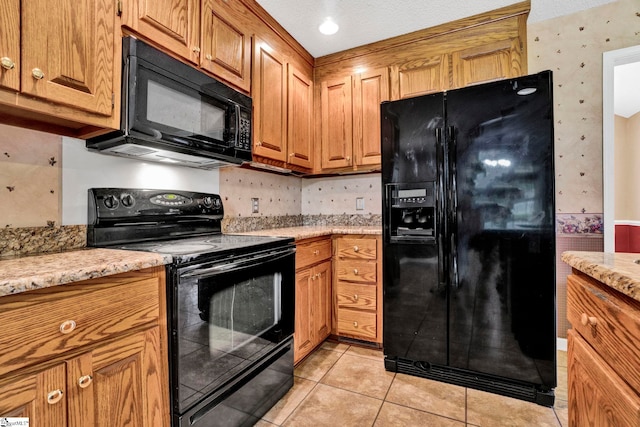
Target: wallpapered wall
30, 178
572, 46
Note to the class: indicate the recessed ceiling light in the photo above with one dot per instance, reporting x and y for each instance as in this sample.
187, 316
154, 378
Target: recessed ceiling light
328, 27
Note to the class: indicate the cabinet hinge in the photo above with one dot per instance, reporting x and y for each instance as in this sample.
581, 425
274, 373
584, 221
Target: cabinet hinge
119, 7
521, 47
113, 100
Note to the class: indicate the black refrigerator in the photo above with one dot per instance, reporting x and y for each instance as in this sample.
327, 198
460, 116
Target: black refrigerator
469, 237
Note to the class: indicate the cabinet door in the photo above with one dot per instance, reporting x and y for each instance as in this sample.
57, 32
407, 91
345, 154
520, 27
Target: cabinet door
303, 335
119, 384
337, 123
40, 397
10, 44
370, 89
321, 301
269, 102
299, 117
226, 46
172, 24
419, 77
493, 61
597, 395
68, 52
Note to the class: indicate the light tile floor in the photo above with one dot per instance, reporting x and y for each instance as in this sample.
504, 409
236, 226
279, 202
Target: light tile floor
342, 385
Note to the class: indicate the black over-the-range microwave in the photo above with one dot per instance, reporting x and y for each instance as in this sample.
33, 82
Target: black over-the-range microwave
173, 113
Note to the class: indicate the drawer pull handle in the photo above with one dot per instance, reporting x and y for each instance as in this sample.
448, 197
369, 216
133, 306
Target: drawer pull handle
355, 324
37, 74
355, 271
67, 326
356, 248
588, 320
84, 381
7, 63
54, 397
355, 297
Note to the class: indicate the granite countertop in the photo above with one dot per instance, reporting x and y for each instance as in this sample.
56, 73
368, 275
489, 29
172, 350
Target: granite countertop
618, 270
42, 271
306, 232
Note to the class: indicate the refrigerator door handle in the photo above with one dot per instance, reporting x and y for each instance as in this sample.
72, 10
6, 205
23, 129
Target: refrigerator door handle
452, 205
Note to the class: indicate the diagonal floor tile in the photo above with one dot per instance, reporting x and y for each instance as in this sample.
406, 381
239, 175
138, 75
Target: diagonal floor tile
317, 364
392, 415
361, 375
430, 396
488, 410
290, 401
330, 406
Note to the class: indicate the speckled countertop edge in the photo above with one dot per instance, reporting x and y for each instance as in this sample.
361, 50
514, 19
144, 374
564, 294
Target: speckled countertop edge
42, 271
307, 232
617, 270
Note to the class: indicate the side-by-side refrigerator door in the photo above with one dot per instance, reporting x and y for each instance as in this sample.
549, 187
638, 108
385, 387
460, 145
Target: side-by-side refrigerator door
502, 297
414, 305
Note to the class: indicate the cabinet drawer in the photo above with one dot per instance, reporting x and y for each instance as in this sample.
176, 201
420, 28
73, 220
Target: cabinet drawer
597, 395
41, 324
356, 271
357, 323
351, 295
311, 253
610, 324
356, 248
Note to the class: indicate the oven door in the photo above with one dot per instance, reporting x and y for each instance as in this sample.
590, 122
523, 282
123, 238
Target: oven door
228, 316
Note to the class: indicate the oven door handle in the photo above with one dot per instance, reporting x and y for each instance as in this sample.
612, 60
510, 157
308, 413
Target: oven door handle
241, 264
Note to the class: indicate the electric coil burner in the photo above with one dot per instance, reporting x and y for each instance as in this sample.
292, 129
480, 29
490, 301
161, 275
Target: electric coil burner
230, 301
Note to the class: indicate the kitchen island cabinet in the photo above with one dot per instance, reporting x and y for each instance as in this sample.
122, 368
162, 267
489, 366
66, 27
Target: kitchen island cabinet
89, 352
603, 306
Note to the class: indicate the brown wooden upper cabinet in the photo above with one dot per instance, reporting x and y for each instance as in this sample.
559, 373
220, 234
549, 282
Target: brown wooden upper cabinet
172, 24
282, 105
212, 34
485, 63
60, 54
350, 119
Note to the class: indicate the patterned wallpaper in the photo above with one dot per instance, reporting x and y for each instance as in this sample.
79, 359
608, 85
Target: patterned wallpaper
572, 46
30, 178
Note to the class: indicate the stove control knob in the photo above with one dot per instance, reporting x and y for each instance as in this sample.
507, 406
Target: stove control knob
207, 201
127, 200
217, 203
111, 202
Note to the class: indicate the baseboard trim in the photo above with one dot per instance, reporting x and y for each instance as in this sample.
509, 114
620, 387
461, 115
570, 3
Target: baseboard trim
561, 344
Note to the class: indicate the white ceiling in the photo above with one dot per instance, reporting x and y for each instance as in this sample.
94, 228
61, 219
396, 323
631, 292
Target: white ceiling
366, 21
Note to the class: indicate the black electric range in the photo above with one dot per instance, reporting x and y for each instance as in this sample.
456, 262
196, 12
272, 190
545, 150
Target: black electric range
230, 301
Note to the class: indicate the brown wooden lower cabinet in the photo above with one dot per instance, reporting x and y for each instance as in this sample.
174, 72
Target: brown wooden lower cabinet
104, 369
313, 295
603, 355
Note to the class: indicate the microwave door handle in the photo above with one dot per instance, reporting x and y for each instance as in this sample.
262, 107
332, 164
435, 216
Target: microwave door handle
239, 265
237, 136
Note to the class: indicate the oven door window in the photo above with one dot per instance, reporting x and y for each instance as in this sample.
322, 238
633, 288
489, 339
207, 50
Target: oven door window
228, 318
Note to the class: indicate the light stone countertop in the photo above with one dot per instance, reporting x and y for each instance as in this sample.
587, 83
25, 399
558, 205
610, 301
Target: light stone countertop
306, 232
42, 271
617, 270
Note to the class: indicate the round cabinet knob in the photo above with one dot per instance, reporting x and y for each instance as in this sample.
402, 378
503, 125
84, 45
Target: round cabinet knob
37, 74
54, 397
355, 271
196, 49
208, 56
588, 320
7, 63
291, 154
348, 158
355, 324
84, 381
355, 297
356, 248
316, 252
258, 144
67, 326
